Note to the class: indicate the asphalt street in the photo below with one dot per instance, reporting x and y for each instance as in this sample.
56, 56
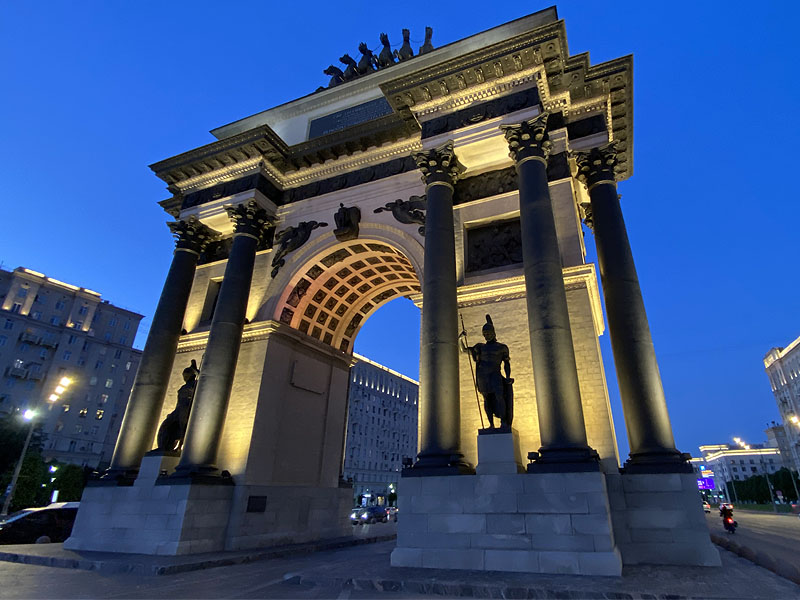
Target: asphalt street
778, 535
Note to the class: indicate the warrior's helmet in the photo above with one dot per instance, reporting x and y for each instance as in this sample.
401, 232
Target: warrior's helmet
488, 328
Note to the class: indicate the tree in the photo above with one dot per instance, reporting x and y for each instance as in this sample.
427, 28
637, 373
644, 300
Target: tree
29, 491
70, 480
13, 431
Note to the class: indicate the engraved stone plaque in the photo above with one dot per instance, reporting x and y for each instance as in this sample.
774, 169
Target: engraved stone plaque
349, 117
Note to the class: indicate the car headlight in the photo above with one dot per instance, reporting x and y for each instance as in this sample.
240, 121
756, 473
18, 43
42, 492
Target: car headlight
353, 516
364, 516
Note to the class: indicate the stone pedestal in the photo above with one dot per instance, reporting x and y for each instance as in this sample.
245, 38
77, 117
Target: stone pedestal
152, 519
533, 523
658, 519
156, 464
498, 452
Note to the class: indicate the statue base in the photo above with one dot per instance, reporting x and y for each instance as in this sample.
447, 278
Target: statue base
155, 464
498, 452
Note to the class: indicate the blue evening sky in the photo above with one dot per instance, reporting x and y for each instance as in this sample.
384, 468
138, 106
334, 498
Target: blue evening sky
93, 92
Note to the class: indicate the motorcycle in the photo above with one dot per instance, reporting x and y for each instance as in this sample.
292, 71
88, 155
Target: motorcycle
729, 524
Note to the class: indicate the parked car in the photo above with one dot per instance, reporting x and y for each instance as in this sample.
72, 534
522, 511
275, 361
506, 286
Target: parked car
706, 507
391, 513
369, 514
53, 522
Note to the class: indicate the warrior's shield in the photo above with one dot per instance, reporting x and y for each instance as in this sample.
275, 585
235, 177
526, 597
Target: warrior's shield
508, 392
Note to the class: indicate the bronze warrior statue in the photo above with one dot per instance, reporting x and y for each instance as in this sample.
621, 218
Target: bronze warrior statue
173, 429
497, 391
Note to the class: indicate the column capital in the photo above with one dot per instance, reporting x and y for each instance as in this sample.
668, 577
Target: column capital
529, 140
190, 234
598, 165
248, 219
439, 165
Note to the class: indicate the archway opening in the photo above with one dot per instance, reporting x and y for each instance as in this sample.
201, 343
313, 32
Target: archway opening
333, 294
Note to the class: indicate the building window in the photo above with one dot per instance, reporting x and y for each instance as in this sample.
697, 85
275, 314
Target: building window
4, 339
81, 362
127, 325
107, 337
94, 430
93, 381
83, 412
60, 305
85, 346
127, 364
78, 324
22, 292
71, 339
98, 365
83, 310
72, 443
103, 398
67, 355
59, 427
9, 324
16, 307
55, 321
123, 340
36, 315
65, 407
109, 383
99, 414
118, 354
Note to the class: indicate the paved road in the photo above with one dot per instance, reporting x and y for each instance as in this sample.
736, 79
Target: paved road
778, 535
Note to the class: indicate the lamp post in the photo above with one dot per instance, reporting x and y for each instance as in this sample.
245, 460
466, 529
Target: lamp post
30, 415
741, 443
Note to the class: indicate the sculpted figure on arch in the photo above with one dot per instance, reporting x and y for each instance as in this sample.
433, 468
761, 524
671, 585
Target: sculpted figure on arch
173, 429
497, 390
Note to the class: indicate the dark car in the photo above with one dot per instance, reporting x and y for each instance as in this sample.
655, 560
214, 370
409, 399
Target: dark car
369, 514
26, 526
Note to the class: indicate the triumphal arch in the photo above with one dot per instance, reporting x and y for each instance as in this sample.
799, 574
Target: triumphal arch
458, 177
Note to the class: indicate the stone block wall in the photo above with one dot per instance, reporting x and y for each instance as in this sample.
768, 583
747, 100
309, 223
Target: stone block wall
658, 519
537, 523
290, 515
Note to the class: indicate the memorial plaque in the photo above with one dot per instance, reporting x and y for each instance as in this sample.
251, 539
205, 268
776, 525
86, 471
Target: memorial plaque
349, 117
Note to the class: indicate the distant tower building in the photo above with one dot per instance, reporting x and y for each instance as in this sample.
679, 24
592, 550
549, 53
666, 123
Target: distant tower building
783, 370
50, 329
381, 427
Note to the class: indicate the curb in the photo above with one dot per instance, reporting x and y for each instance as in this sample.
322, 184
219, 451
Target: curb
128, 565
762, 559
432, 587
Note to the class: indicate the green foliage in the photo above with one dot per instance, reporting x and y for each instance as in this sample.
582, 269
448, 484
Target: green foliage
13, 431
70, 480
755, 489
29, 491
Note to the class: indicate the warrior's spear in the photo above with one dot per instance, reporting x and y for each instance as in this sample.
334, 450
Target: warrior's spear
471, 370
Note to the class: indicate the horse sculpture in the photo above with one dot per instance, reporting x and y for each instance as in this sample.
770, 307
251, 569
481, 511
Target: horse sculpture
405, 52
385, 58
351, 72
427, 46
367, 62
336, 74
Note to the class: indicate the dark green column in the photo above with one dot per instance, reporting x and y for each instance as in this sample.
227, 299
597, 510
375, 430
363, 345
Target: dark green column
555, 374
646, 419
207, 419
150, 385
439, 397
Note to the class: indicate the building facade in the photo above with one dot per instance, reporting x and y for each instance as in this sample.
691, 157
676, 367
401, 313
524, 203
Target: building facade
381, 428
783, 370
731, 462
51, 330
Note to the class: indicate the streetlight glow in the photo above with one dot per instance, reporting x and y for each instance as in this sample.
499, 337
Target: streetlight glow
28, 415
60, 389
65, 381
53, 398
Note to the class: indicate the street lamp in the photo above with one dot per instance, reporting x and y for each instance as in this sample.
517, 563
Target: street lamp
30, 415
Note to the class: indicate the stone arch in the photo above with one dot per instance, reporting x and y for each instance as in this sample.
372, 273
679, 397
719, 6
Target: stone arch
330, 289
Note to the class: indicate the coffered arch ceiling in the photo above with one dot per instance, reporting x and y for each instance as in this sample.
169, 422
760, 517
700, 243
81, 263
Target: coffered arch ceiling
334, 293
